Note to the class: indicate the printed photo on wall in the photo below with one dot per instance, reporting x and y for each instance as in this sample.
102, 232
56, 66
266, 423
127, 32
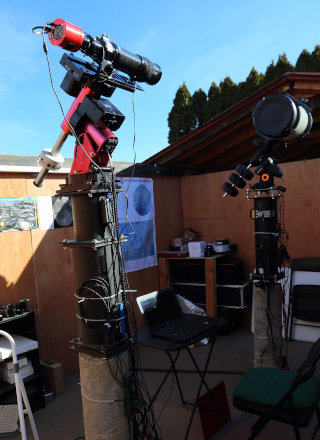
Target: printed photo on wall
62, 212
54, 212
18, 214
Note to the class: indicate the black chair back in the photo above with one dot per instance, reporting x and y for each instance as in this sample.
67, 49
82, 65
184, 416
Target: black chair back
307, 369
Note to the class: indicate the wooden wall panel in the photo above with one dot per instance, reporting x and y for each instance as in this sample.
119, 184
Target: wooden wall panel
206, 211
17, 279
13, 185
16, 268
168, 210
302, 207
229, 217
56, 301
34, 266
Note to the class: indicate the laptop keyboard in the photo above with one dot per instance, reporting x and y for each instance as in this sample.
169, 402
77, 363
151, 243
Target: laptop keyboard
173, 329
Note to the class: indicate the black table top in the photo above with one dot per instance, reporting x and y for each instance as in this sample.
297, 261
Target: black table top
145, 338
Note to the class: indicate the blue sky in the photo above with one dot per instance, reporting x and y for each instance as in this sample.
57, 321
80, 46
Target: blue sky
193, 41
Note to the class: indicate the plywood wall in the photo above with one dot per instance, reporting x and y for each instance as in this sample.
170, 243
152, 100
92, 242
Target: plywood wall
207, 211
302, 207
34, 266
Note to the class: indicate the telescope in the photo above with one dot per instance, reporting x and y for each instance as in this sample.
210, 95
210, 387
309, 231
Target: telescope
92, 118
72, 38
279, 120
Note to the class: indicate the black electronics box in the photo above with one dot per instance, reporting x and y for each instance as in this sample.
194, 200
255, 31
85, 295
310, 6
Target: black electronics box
230, 271
234, 296
228, 296
188, 272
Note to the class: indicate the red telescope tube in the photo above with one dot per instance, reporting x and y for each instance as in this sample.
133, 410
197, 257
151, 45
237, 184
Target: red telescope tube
66, 35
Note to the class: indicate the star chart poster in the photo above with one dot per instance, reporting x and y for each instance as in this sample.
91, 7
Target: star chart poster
137, 221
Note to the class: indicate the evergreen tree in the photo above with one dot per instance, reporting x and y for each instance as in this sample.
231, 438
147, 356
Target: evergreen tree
274, 71
213, 103
199, 101
315, 59
189, 112
229, 93
283, 65
270, 74
253, 83
181, 119
304, 62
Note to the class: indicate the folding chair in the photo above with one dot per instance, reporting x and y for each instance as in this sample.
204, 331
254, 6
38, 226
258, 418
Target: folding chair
286, 396
304, 297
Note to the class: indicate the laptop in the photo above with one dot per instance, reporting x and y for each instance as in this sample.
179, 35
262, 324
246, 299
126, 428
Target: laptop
164, 317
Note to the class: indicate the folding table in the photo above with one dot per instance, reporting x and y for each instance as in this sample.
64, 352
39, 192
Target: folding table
173, 350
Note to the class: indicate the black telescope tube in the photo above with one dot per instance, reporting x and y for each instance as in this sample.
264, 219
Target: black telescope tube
137, 67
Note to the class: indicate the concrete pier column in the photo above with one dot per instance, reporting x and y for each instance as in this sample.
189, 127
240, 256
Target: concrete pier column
267, 326
102, 399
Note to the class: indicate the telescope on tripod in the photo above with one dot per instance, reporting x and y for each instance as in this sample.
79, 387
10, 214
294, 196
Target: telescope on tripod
280, 120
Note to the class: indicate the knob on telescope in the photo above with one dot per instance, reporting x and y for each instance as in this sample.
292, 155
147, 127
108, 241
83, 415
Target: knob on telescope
229, 189
237, 180
244, 171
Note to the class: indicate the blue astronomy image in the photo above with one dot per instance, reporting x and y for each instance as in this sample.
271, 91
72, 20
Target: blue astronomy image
140, 244
142, 200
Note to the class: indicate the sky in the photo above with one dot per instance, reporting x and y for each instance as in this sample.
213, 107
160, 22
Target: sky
196, 42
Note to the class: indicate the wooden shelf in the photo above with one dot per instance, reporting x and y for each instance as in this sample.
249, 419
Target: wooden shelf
24, 325
209, 263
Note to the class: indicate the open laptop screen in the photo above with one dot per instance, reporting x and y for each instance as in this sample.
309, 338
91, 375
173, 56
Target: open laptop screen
159, 308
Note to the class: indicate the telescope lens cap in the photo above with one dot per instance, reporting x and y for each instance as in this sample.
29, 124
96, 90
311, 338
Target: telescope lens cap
275, 116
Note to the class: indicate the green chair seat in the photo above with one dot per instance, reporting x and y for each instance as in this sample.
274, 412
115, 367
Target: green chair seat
266, 386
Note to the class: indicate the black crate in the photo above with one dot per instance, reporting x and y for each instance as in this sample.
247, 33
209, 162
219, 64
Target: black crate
188, 272
234, 296
228, 296
230, 271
